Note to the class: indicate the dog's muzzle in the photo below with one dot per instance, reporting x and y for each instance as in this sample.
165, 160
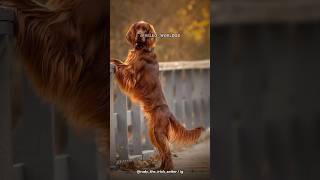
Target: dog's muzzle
140, 40
141, 36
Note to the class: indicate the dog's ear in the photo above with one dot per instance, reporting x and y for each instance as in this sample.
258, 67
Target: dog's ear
131, 34
152, 41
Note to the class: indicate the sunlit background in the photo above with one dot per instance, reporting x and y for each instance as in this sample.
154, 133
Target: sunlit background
189, 18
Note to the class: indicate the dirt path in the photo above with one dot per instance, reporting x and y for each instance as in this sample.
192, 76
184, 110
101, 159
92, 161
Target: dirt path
194, 161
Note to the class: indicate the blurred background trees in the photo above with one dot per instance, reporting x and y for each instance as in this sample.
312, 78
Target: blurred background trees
189, 18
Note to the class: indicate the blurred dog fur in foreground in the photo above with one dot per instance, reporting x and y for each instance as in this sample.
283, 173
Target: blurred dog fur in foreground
63, 45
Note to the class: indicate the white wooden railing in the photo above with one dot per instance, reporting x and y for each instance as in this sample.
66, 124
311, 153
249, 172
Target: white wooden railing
186, 85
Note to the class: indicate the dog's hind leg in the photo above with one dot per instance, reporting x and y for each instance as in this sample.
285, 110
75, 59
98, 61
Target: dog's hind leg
153, 136
161, 136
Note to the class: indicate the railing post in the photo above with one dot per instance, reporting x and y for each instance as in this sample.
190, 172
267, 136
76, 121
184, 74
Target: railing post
136, 130
196, 99
102, 166
19, 171
60, 140
122, 125
61, 170
179, 95
73, 153
205, 96
171, 88
113, 125
33, 136
187, 102
6, 32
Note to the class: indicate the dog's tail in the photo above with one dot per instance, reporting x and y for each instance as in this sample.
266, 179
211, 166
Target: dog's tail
180, 135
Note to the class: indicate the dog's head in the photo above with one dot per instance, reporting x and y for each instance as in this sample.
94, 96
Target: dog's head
141, 35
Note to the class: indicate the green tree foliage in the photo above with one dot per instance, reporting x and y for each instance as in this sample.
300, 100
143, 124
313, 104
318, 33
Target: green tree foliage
189, 18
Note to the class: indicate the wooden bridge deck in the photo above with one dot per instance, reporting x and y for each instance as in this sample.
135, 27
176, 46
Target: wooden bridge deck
194, 161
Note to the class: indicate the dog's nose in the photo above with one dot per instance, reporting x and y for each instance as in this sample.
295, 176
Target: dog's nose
140, 37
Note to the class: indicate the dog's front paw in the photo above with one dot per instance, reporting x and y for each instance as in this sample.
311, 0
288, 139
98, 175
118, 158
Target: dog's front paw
115, 61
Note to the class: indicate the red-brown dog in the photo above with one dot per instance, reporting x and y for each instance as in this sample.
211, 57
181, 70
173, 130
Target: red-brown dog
138, 77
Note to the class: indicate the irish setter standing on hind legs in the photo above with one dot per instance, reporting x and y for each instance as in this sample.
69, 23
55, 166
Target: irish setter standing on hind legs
138, 77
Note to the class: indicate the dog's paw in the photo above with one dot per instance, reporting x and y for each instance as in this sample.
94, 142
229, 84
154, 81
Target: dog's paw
112, 61
115, 61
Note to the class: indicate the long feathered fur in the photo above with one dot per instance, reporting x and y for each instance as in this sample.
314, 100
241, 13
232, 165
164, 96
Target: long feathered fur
180, 135
64, 55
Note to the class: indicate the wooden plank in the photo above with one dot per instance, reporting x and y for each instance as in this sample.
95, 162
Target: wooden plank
187, 113
61, 170
74, 151
113, 122
114, 150
102, 167
178, 95
198, 118
204, 112
239, 12
175, 109
82, 153
222, 137
168, 86
6, 161
198, 114
60, 133
6, 21
33, 137
5, 29
202, 88
130, 130
235, 86
122, 125
18, 171
136, 129
206, 96
187, 104
283, 73
6, 14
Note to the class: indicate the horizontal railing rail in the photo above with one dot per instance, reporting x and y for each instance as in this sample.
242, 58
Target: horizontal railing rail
184, 65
